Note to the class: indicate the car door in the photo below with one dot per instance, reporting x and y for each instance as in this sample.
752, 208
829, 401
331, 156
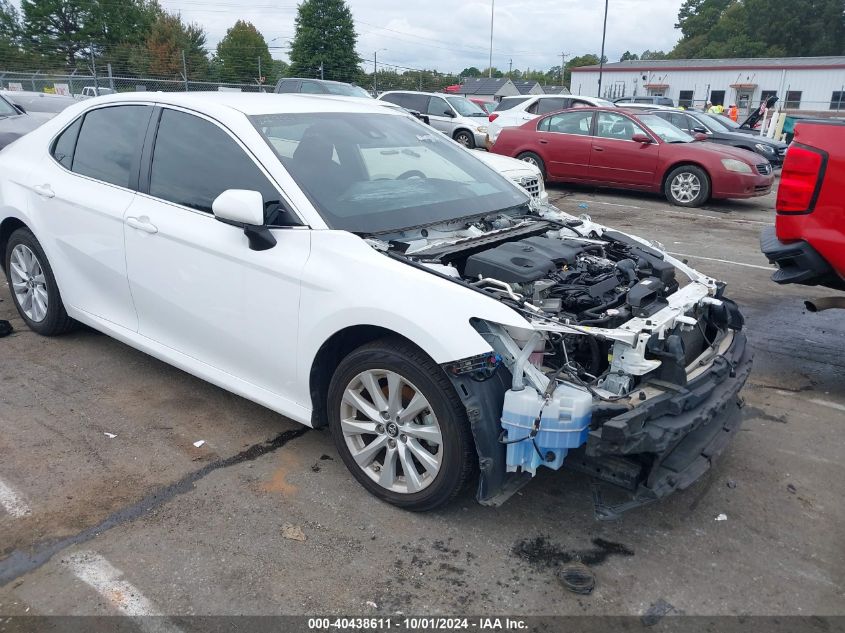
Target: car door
440, 115
197, 286
81, 194
615, 158
565, 144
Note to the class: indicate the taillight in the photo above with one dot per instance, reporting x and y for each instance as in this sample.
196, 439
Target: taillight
799, 179
493, 116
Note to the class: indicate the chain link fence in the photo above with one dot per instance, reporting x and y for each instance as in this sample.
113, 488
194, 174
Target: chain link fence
77, 84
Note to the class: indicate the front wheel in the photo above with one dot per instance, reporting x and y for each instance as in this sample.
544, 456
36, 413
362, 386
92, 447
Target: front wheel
465, 138
533, 159
687, 186
399, 426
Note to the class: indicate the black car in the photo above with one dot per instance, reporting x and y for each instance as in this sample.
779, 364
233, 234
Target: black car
14, 122
320, 87
719, 132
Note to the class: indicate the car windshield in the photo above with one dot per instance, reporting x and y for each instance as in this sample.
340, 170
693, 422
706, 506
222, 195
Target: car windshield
381, 173
508, 103
722, 123
465, 107
665, 130
347, 90
7, 109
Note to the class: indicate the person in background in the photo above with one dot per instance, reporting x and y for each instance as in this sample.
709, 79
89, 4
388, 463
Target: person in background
733, 112
708, 108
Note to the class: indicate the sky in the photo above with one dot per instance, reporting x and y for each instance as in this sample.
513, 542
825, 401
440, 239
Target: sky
450, 35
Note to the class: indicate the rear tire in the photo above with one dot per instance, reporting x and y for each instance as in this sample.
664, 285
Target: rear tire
35, 292
465, 138
533, 159
687, 186
419, 462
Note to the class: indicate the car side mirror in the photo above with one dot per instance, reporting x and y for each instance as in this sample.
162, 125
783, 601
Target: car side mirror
245, 209
700, 137
700, 130
645, 139
449, 114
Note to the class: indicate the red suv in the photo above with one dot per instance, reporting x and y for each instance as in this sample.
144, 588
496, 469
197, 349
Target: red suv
808, 240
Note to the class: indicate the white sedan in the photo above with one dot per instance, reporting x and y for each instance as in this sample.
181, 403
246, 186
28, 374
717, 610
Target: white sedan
344, 265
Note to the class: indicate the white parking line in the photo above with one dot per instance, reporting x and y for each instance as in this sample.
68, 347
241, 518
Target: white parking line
678, 212
105, 579
12, 502
723, 261
828, 404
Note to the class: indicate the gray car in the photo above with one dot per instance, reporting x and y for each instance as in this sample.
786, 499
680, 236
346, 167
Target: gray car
14, 122
457, 117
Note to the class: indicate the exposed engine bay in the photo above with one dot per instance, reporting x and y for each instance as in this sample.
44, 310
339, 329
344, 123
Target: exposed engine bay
618, 327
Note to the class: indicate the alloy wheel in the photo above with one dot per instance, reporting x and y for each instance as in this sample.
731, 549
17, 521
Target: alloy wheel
391, 431
29, 283
685, 187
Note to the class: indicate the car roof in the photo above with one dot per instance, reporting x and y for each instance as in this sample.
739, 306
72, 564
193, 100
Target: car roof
248, 103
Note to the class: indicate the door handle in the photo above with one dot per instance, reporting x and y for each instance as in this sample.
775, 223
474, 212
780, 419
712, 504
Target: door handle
598, 149
142, 224
543, 141
45, 190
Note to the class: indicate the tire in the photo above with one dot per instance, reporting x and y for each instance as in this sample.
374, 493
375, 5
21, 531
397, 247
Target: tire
32, 283
384, 443
534, 159
465, 138
687, 186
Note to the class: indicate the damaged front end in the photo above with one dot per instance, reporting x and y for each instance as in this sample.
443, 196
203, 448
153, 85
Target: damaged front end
631, 368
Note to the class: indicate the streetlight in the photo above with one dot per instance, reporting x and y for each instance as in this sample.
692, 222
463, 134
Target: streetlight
375, 70
603, 36
492, 13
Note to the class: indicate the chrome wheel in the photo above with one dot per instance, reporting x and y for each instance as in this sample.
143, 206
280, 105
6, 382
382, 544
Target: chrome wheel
28, 283
464, 139
685, 187
391, 431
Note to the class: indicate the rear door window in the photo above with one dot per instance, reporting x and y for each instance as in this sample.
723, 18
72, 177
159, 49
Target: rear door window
552, 104
289, 85
312, 87
109, 145
416, 102
194, 161
66, 143
508, 103
579, 123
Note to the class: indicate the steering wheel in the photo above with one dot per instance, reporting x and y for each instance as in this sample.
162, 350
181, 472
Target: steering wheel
411, 173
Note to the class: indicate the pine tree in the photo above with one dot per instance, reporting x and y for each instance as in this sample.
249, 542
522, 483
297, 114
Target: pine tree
325, 37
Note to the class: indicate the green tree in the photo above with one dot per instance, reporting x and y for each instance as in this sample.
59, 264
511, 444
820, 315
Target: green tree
59, 29
629, 56
577, 62
647, 54
12, 55
242, 53
325, 38
472, 71
162, 52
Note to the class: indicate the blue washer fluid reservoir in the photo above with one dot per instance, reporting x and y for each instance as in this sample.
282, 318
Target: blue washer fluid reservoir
564, 424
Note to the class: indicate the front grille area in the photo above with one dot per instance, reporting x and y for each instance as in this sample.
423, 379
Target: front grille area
531, 185
764, 168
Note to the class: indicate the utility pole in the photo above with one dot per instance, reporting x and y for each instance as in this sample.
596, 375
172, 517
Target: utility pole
375, 73
259, 70
603, 37
321, 69
93, 70
492, 13
184, 70
562, 66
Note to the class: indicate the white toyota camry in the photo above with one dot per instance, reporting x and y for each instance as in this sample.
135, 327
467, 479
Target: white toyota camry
344, 265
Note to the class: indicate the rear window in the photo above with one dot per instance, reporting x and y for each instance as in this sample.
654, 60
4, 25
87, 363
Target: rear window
109, 144
65, 144
508, 103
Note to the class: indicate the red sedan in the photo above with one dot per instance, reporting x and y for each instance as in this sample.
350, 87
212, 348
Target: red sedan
610, 147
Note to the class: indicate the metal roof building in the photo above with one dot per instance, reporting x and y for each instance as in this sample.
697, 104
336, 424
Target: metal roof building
802, 83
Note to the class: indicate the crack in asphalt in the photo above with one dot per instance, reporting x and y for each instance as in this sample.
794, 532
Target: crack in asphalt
21, 562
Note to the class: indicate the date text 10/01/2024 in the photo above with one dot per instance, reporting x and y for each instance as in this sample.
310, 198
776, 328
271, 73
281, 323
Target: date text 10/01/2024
416, 624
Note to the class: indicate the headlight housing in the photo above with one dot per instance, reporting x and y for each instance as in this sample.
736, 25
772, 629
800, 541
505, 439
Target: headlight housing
766, 149
481, 129
732, 164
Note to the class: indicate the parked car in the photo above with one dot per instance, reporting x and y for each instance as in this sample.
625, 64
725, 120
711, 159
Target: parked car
342, 265
457, 117
718, 131
38, 103
14, 122
320, 87
514, 111
615, 148
487, 106
89, 92
644, 106
644, 100
807, 242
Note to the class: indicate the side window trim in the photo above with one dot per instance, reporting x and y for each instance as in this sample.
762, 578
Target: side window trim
152, 135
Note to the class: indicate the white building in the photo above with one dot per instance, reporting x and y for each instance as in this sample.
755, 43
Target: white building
802, 83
